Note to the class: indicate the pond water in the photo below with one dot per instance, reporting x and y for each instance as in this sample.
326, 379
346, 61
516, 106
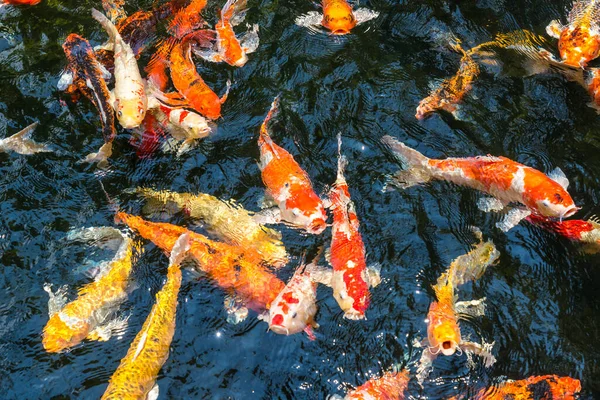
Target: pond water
543, 308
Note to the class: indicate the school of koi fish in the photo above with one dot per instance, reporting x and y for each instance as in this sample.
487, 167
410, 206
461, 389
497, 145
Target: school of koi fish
241, 252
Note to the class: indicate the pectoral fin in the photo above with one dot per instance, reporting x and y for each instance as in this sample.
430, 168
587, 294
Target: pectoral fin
311, 19
512, 218
425, 364
236, 310
153, 393
373, 275
490, 204
57, 299
249, 42
473, 308
268, 216
66, 79
364, 14
106, 331
554, 29
484, 351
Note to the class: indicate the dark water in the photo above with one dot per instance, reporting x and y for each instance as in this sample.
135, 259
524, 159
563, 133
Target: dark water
543, 305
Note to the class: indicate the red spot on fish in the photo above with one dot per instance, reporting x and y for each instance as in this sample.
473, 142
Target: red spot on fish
182, 116
289, 297
277, 320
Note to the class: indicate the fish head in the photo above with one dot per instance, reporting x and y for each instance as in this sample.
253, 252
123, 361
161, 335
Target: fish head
130, 112
577, 46
305, 209
445, 338
556, 204
59, 335
354, 306
294, 308
428, 105
209, 105
339, 18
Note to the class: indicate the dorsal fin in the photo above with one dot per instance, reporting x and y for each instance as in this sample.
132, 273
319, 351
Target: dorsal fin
558, 176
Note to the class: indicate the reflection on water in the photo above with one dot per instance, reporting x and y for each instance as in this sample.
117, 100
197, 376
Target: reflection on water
542, 304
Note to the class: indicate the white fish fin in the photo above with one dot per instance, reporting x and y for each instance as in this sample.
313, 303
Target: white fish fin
250, 40
425, 364
209, 55
105, 73
236, 309
342, 160
416, 164
185, 146
57, 300
113, 327
66, 79
512, 218
95, 234
490, 204
319, 274
483, 350
264, 317
364, 14
558, 176
554, 29
22, 143
473, 308
153, 393
406, 179
373, 275
101, 157
180, 249
144, 337
268, 216
311, 19
584, 10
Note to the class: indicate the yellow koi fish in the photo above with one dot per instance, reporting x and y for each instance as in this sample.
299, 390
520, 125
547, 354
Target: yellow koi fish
22, 143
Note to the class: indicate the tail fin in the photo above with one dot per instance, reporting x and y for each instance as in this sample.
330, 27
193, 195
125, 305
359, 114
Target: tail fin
22, 143
472, 266
417, 170
342, 161
264, 132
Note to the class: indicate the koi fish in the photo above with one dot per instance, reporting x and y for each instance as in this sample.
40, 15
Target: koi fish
443, 331
288, 184
506, 180
147, 139
22, 143
592, 84
129, 95
546, 387
87, 317
228, 48
350, 280
587, 232
114, 10
89, 75
235, 270
579, 40
19, 2
338, 17
390, 386
187, 19
227, 220
136, 375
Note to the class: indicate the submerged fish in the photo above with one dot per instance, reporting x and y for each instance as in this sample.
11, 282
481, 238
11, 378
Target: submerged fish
338, 17
288, 184
443, 331
187, 19
227, 220
579, 40
87, 317
236, 270
228, 48
390, 386
136, 375
586, 232
129, 95
350, 280
19, 2
22, 143
506, 180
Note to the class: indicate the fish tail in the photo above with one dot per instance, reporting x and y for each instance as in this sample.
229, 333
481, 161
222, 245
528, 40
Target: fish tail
106, 23
264, 132
342, 160
416, 166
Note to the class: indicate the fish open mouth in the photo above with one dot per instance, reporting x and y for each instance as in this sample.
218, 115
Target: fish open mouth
448, 348
569, 212
279, 329
340, 32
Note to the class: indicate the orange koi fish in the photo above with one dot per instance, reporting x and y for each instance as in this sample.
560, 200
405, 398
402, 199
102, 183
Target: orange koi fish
187, 19
579, 40
288, 184
89, 74
338, 17
228, 48
350, 280
87, 317
19, 2
390, 386
235, 270
587, 232
506, 180
146, 139
547, 387
443, 331
22, 143
136, 375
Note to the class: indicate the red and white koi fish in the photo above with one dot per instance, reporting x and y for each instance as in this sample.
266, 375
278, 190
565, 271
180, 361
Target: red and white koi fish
350, 280
338, 17
390, 386
19, 2
579, 40
22, 143
584, 231
288, 184
129, 95
547, 387
506, 180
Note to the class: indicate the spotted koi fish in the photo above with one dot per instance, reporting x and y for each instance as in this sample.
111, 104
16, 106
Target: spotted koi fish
506, 180
22, 143
136, 375
87, 317
579, 40
84, 70
129, 95
227, 220
338, 17
390, 386
288, 184
548, 387
443, 331
586, 232
237, 271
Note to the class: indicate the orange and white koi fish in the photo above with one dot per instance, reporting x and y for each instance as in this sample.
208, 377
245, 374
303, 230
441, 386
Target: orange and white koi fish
288, 184
237, 271
88, 74
227, 220
129, 95
136, 375
547, 387
443, 331
87, 317
586, 232
228, 48
506, 180
338, 17
390, 386
350, 280
22, 143
579, 40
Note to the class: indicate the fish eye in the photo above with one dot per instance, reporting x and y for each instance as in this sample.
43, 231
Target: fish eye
119, 114
558, 197
546, 203
294, 315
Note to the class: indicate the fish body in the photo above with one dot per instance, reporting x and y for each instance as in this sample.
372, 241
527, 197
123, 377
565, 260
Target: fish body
235, 270
338, 17
114, 10
288, 184
180, 123
506, 180
136, 375
187, 19
130, 100
227, 220
22, 143
579, 40
546, 387
347, 252
574, 229
80, 318
390, 386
